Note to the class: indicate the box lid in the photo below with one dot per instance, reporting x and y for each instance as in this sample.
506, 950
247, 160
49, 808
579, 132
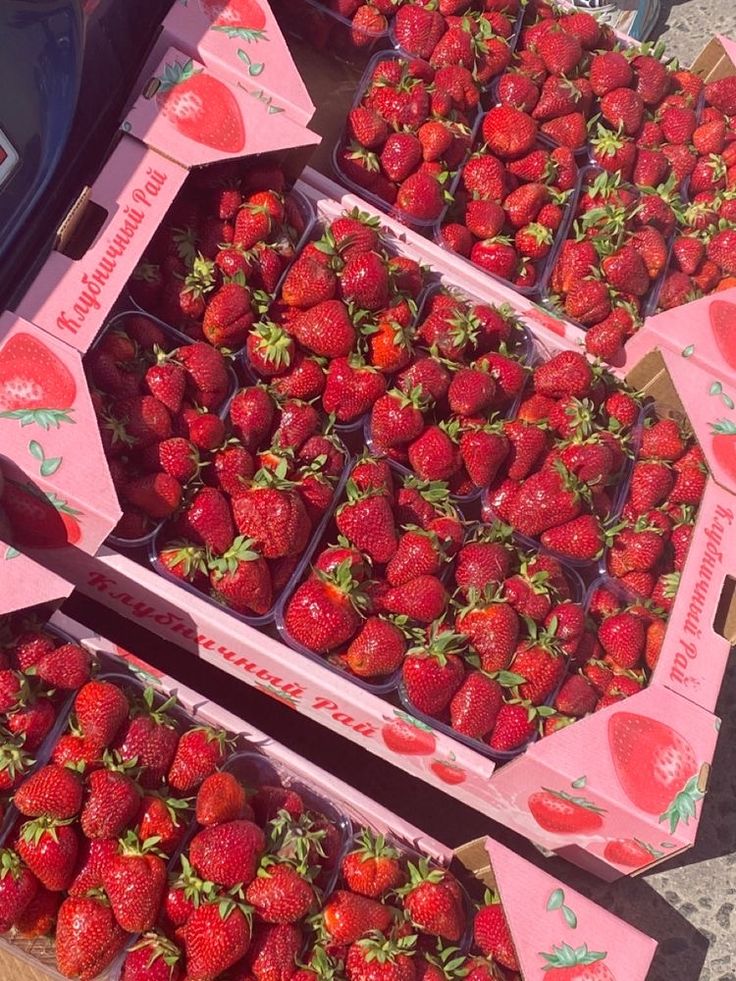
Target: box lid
25, 583
185, 111
57, 487
241, 41
71, 297
552, 925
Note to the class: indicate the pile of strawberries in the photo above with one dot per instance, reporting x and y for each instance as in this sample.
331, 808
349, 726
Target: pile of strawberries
37, 671
363, 595
342, 322
408, 135
488, 668
157, 403
443, 418
147, 834
347, 27
703, 251
613, 259
512, 198
220, 253
243, 526
567, 453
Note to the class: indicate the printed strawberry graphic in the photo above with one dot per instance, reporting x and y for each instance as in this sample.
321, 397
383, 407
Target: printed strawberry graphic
630, 852
724, 445
36, 387
448, 772
562, 813
201, 107
566, 963
37, 519
723, 325
655, 766
408, 737
243, 19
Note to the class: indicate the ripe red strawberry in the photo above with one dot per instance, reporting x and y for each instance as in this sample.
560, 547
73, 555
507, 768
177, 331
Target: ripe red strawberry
367, 127
492, 935
167, 380
134, 880
651, 482
492, 628
280, 893
240, 577
423, 599
53, 791
29, 647
433, 671
18, 887
352, 388
323, 612
509, 132
576, 697
272, 514
252, 413
153, 958
144, 420
475, 705
434, 454
483, 450
348, 916
421, 196
433, 901
228, 316
229, 853
157, 495
419, 29
580, 539
221, 797
569, 131
216, 936
101, 708
622, 638
325, 329
49, 848
372, 868
198, 754
397, 418
87, 937
149, 739
367, 521
163, 818
208, 519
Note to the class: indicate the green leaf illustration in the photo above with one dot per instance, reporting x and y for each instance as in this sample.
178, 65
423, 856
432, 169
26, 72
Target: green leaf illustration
50, 466
727, 400
11, 553
687, 352
580, 782
715, 389
556, 899
35, 449
570, 918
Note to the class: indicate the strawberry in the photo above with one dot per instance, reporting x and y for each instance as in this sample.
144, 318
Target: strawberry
153, 958
149, 739
18, 887
348, 916
605, 339
273, 951
162, 818
38, 919
156, 495
367, 521
527, 443
216, 936
420, 196
228, 316
280, 893
475, 705
220, 798
352, 388
198, 753
516, 723
581, 539
53, 791
272, 515
134, 880
166, 380
568, 131
400, 157
492, 934
434, 454
377, 650
208, 519
484, 218
496, 256
49, 848
719, 250
270, 349
88, 937
372, 868
367, 128
433, 901
419, 29
576, 697
524, 204
509, 132
101, 708
240, 577
483, 450
29, 647
396, 418
610, 70
252, 413
722, 95
678, 124
588, 302
625, 270
492, 628
323, 613
32, 722
228, 853
651, 482
433, 671
325, 329
622, 638
423, 599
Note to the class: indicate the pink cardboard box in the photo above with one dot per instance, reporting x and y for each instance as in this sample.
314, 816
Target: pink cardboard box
532, 900
604, 787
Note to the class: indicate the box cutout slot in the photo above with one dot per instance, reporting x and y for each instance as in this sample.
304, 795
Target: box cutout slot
75, 244
724, 621
154, 84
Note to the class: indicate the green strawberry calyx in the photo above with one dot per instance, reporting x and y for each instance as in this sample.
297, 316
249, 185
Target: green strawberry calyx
45, 418
567, 956
577, 801
177, 73
683, 807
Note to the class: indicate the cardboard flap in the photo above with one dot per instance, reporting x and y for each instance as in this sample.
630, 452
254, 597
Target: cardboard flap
58, 488
191, 115
70, 298
716, 60
702, 332
552, 925
242, 41
24, 583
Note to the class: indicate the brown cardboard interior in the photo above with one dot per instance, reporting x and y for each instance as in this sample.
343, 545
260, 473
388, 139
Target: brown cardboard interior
651, 377
713, 63
473, 856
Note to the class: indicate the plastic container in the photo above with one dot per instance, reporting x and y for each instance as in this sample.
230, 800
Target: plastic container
177, 340
546, 265
649, 301
577, 595
326, 30
421, 225
159, 541
254, 770
307, 212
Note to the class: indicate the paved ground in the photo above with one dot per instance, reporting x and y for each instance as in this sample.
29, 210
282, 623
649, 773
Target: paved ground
685, 25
